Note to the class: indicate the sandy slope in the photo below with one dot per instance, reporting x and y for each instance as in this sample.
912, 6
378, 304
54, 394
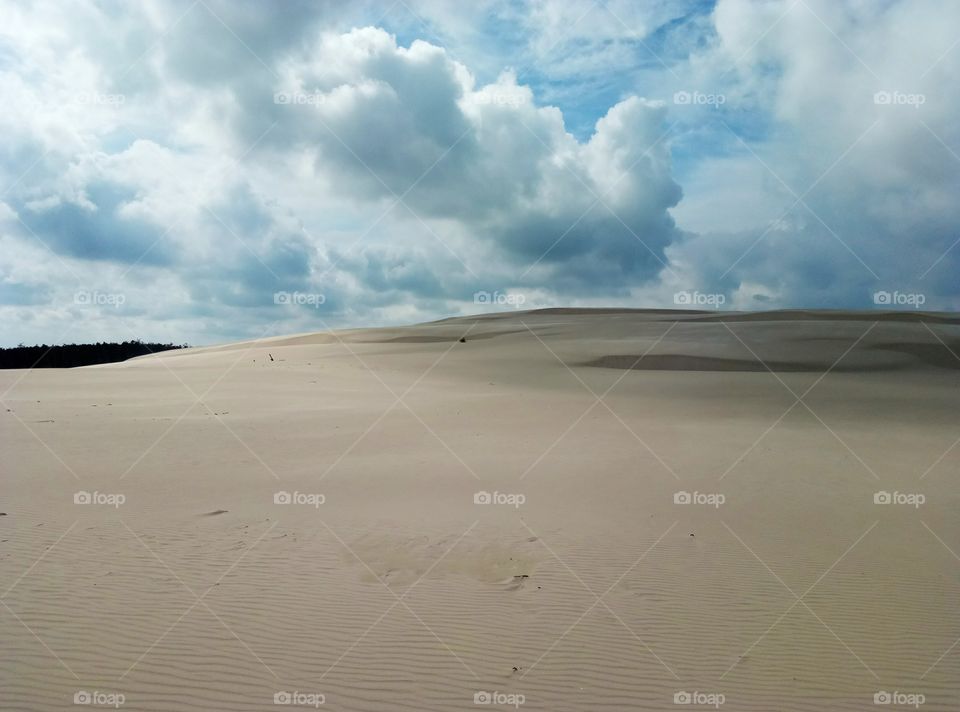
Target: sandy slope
399, 592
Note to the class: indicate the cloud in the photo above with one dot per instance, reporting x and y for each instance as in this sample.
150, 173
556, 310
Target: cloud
98, 226
201, 158
390, 122
849, 192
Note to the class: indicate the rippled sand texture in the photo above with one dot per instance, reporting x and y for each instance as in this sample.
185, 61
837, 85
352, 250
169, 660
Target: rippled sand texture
583, 585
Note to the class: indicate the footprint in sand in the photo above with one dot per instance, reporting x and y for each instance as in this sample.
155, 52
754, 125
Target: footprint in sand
516, 583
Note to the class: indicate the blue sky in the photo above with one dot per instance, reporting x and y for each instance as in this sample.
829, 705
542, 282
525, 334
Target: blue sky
215, 170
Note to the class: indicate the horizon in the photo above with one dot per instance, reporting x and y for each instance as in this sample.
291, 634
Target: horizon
866, 314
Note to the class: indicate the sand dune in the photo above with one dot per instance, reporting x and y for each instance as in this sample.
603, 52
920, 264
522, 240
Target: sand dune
319, 524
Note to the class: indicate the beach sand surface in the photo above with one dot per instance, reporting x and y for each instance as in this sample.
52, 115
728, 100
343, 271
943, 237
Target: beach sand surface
567, 510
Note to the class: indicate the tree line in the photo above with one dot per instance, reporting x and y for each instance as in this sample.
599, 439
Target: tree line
71, 355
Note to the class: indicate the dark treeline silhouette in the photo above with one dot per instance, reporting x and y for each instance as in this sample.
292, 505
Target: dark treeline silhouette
70, 355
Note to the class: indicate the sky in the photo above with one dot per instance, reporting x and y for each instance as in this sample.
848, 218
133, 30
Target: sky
215, 170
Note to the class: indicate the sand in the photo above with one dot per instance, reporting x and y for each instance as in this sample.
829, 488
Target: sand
586, 583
